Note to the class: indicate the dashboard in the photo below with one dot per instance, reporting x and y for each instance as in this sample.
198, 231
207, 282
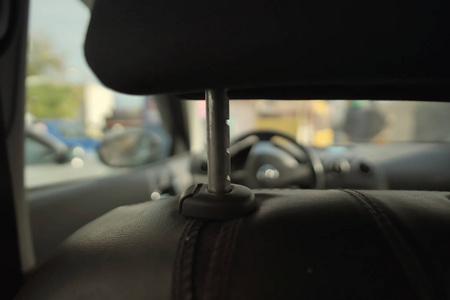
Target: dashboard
398, 166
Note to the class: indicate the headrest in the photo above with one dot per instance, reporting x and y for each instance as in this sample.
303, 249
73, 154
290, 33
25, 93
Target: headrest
172, 46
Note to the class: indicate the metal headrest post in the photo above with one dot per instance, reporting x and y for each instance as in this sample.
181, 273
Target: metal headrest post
218, 139
219, 199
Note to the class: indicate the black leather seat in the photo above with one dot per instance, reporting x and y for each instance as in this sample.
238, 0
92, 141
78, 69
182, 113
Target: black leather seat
337, 244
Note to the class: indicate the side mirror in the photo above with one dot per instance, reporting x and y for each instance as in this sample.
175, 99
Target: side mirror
130, 148
44, 149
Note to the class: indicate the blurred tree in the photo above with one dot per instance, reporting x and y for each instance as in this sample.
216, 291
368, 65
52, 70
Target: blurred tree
42, 58
54, 101
49, 96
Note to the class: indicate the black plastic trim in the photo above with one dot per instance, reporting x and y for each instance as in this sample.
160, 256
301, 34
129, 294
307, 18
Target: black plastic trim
197, 202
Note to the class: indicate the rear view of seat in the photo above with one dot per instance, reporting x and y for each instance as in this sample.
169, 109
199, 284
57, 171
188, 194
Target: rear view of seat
298, 245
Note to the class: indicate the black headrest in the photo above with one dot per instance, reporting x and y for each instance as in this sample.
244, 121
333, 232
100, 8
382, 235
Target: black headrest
161, 46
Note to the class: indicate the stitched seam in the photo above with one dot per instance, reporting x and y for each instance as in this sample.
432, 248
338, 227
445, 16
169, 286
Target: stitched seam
184, 263
176, 274
221, 258
229, 259
423, 278
211, 290
409, 262
227, 254
187, 271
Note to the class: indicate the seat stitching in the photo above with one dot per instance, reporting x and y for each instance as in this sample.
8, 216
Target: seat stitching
229, 258
183, 279
212, 290
409, 262
178, 262
221, 258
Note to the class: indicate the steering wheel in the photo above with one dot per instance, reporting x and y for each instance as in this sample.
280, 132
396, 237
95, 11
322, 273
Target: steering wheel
269, 159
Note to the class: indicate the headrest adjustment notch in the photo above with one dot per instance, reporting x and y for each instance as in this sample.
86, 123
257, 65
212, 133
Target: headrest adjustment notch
219, 199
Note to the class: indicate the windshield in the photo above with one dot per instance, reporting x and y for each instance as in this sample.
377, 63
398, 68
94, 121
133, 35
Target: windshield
322, 123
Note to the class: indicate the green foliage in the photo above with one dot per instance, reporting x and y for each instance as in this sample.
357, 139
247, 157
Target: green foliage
51, 101
42, 59
48, 96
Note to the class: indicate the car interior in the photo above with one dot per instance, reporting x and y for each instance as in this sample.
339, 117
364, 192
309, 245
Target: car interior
338, 189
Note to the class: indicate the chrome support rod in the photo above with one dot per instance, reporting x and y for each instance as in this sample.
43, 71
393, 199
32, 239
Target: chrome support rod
218, 139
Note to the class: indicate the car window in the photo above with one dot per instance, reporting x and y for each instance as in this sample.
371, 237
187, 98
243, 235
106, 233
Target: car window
323, 123
65, 101
37, 152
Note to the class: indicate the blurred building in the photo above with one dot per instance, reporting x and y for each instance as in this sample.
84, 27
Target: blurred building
98, 105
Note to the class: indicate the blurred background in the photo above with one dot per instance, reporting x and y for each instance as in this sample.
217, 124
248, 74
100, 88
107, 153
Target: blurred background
69, 113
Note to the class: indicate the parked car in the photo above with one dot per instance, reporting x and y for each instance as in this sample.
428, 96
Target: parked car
71, 133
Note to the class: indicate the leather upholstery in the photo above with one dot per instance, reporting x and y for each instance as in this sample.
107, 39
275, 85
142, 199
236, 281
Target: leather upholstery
335, 245
304, 244
126, 254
